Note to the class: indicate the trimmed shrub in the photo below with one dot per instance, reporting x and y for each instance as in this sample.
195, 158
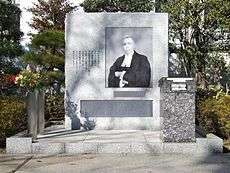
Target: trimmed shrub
213, 113
13, 117
54, 107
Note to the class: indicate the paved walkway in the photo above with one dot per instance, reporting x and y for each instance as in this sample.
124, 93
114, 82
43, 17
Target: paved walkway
110, 136
115, 163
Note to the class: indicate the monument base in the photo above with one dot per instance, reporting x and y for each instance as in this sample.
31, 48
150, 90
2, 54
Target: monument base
110, 141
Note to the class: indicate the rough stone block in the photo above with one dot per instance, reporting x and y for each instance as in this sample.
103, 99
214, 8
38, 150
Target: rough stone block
16, 145
183, 148
90, 147
154, 147
36, 148
210, 145
114, 148
81, 147
48, 148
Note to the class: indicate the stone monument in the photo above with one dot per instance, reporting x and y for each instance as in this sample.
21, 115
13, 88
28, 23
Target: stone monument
93, 44
116, 76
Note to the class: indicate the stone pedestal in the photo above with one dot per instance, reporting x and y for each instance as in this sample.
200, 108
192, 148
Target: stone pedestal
177, 109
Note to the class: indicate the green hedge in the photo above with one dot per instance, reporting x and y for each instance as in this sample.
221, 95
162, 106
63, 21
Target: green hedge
54, 107
13, 114
213, 112
13, 118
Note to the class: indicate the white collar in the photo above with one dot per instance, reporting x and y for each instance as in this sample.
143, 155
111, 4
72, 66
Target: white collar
127, 60
131, 54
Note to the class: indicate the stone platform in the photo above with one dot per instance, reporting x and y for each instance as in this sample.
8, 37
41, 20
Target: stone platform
56, 141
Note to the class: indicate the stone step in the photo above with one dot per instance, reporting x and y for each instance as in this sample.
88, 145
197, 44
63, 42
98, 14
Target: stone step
98, 141
98, 147
115, 147
114, 141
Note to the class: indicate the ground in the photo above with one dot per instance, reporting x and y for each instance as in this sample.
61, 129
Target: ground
111, 163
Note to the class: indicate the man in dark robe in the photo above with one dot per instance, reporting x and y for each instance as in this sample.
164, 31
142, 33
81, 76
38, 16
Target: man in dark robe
130, 70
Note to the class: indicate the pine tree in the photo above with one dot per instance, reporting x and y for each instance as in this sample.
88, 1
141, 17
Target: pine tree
49, 14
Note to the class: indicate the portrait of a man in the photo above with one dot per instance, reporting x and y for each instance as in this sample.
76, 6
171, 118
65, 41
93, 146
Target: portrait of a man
132, 69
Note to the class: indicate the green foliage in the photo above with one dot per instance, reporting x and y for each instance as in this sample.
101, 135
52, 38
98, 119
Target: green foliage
10, 35
197, 29
49, 14
48, 46
12, 117
32, 57
55, 76
52, 61
47, 52
217, 72
45, 59
29, 80
54, 107
49, 39
213, 112
202, 94
118, 5
10, 48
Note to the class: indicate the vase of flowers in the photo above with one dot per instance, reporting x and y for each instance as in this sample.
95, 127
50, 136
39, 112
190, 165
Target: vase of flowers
30, 81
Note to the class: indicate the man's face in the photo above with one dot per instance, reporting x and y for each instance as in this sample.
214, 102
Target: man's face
128, 45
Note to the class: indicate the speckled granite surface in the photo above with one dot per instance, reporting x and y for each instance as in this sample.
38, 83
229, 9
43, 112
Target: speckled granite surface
177, 111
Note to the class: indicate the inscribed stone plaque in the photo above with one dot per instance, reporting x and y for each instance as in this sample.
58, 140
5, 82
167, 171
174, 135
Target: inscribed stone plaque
84, 60
178, 87
116, 108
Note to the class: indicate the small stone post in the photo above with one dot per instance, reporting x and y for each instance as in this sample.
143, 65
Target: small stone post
35, 110
32, 114
41, 112
177, 109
